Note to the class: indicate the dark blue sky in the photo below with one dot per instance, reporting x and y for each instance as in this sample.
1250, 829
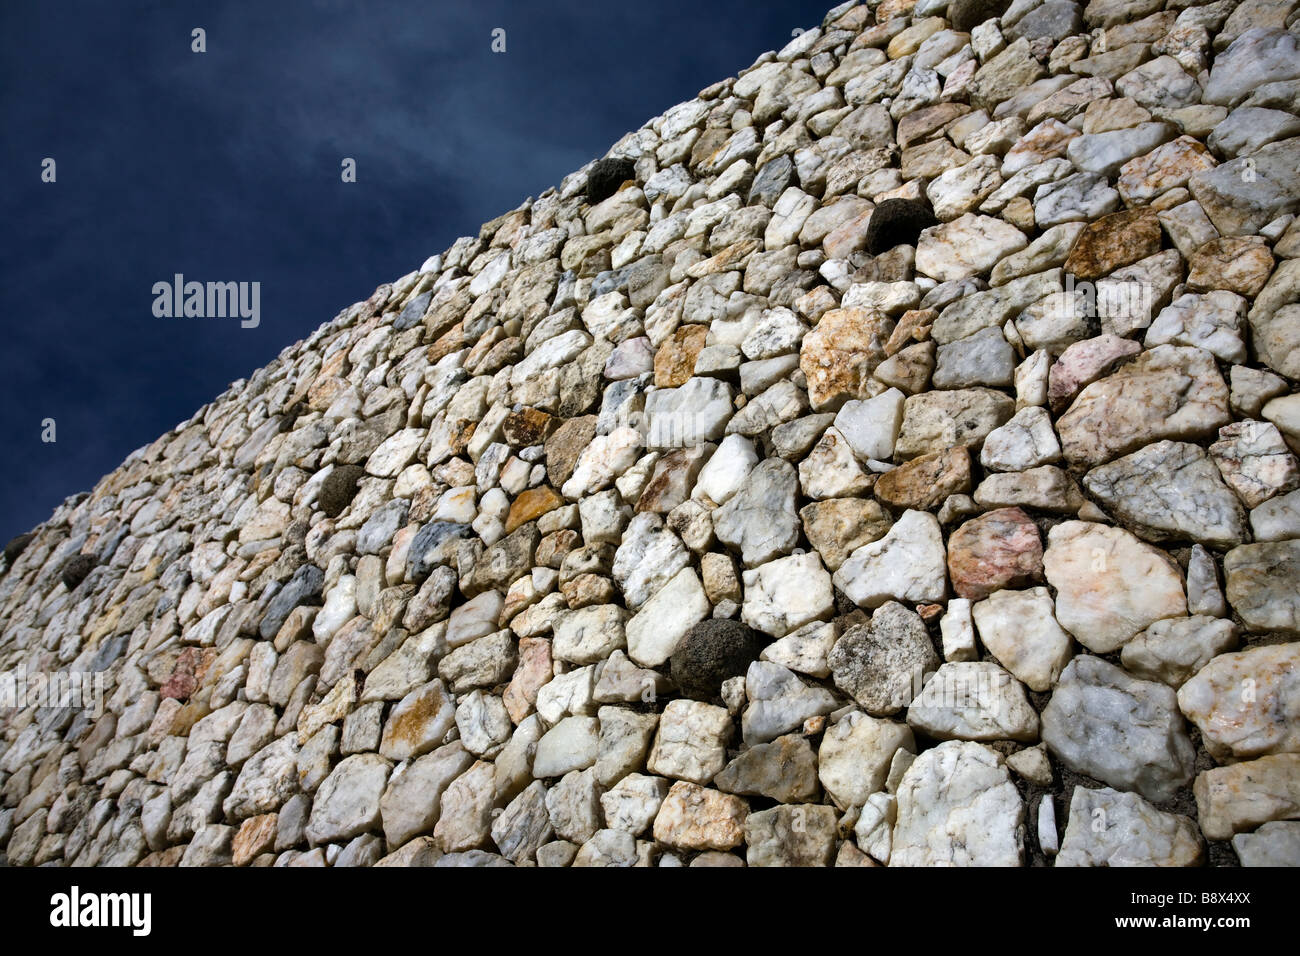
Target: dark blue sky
225, 166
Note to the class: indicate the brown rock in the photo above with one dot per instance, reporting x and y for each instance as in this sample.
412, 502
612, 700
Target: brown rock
586, 590
930, 612
555, 547
673, 478
1240, 264
848, 237
919, 124
1113, 241
914, 326
565, 445
1166, 167
324, 390
187, 676
675, 360
453, 340
909, 371
461, 431
532, 504
1019, 211
718, 573
839, 355
527, 426
925, 482
997, 550
170, 857
894, 9
1241, 796
837, 527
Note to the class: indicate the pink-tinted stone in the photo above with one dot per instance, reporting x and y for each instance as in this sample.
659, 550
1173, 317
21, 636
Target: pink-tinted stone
1166, 167
1083, 363
186, 676
256, 835
533, 670
1045, 141
1000, 549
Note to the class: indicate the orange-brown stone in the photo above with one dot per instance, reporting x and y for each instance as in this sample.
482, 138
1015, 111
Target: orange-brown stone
839, 355
675, 360
924, 483
256, 836
527, 426
532, 504
1114, 241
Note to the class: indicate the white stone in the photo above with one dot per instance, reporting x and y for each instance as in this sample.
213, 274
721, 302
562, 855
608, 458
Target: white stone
803, 650
1109, 828
726, 470
779, 702
1247, 703
1255, 461
1021, 631
1125, 732
832, 470
1109, 585
855, 756
632, 803
589, 634
1048, 838
395, 453
570, 745
483, 723
957, 629
1176, 648
1026, 441
973, 700
1213, 321
1276, 519
347, 803
967, 246
907, 564
476, 618
784, 595
340, 607
607, 457
871, 426
691, 743
1274, 844
875, 826
659, 626
957, 806
647, 559
690, 415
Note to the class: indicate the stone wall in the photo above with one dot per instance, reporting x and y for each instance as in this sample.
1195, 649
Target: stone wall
886, 457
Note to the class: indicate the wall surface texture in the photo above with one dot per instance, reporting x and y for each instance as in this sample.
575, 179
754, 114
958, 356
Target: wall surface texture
886, 458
